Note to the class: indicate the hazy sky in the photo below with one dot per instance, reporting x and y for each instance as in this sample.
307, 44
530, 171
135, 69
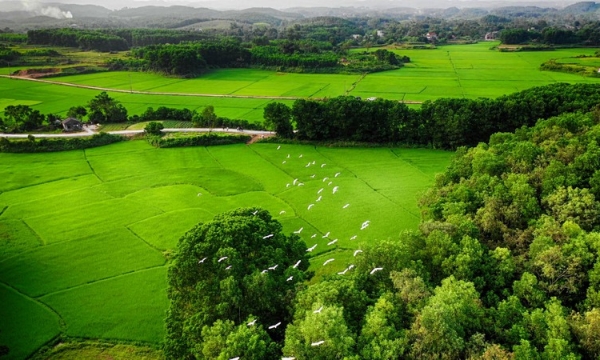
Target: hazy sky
279, 4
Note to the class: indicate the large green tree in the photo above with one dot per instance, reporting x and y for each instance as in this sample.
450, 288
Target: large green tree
236, 267
104, 109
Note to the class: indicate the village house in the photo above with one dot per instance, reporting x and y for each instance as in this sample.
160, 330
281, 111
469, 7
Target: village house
71, 124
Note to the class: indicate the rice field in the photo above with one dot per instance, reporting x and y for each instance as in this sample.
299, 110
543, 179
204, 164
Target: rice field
466, 71
85, 236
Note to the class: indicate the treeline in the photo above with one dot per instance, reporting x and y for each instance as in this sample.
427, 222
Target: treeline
33, 145
586, 35
110, 39
505, 265
445, 123
197, 140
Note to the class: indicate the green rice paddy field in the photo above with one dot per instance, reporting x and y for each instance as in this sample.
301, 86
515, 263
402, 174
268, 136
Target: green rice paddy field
468, 71
85, 236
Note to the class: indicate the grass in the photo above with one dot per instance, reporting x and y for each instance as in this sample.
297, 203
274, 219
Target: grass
90, 242
99, 350
26, 323
468, 71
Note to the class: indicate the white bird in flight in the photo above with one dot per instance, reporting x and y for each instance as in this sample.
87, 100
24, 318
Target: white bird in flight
251, 323
328, 261
235, 358
345, 206
353, 237
279, 147
201, 261
332, 242
227, 268
307, 165
287, 185
375, 270
255, 212
323, 165
317, 343
343, 272
357, 252
313, 236
264, 271
267, 236
273, 267
300, 184
311, 205
223, 258
319, 198
329, 183
335, 189
275, 326
282, 212
318, 311
326, 235
288, 358
312, 176
283, 162
199, 194
325, 178
290, 278
295, 181
318, 192
288, 156
300, 156
297, 263
351, 266
299, 230
337, 174
311, 248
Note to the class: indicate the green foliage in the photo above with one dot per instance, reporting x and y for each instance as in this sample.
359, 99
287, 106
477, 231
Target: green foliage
58, 144
105, 109
21, 118
231, 284
154, 128
278, 118
197, 140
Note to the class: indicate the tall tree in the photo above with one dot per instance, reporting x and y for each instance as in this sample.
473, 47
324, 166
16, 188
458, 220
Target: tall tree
278, 117
232, 268
105, 109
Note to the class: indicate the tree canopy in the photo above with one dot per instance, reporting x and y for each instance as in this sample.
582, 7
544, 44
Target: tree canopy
229, 272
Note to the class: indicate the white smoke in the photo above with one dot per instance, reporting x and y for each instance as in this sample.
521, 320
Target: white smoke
51, 11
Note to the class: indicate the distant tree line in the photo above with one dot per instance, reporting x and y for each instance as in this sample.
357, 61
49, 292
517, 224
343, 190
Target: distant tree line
110, 39
586, 35
445, 123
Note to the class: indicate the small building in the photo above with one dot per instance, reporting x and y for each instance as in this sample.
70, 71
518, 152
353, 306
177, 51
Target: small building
356, 36
431, 36
380, 33
491, 36
71, 124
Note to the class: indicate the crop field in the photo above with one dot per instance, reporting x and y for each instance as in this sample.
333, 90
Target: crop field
468, 71
85, 236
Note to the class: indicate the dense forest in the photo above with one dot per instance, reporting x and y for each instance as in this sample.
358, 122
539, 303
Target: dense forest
445, 123
505, 265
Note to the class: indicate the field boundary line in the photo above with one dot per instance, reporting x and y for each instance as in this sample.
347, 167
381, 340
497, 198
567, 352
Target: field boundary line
61, 321
462, 89
89, 87
98, 280
368, 185
412, 165
91, 167
42, 241
353, 85
3, 210
145, 242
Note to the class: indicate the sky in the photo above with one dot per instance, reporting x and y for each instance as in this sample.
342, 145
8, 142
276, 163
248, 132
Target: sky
278, 4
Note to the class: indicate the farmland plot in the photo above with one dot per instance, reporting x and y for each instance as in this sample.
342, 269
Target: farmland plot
85, 239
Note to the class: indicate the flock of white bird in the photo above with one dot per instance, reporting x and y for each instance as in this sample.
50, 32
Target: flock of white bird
335, 189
